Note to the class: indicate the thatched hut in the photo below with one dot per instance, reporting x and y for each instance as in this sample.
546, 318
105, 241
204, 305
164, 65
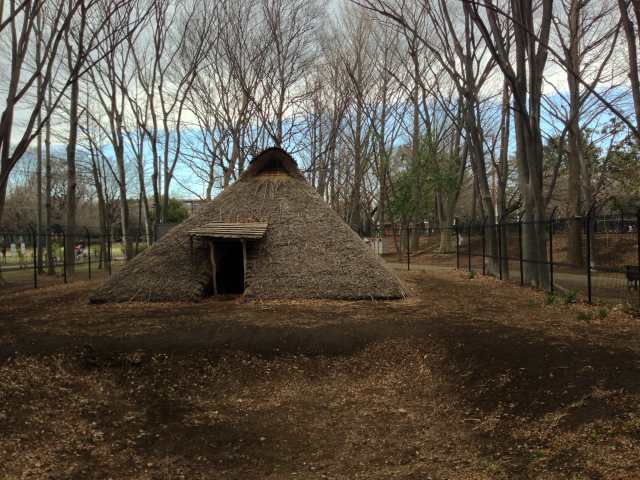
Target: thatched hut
269, 235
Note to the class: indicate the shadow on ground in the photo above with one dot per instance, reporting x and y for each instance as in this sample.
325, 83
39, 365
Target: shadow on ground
460, 381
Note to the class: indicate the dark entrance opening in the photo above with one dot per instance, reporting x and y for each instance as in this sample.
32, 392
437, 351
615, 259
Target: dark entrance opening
229, 260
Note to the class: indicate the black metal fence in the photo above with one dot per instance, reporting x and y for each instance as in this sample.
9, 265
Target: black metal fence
597, 258
31, 259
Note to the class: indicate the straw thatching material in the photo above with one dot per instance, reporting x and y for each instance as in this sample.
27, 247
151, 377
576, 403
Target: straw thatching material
307, 252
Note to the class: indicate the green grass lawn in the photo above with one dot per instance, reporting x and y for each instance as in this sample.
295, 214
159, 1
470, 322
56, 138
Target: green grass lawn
24, 277
26, 260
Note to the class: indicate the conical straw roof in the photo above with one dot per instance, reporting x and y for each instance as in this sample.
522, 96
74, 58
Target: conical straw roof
308, 251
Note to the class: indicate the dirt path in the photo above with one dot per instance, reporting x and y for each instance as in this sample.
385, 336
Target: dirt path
462, 380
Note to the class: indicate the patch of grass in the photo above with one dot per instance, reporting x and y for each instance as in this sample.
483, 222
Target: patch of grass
603, 312
494, 468
472, 274
570, 297
550, 298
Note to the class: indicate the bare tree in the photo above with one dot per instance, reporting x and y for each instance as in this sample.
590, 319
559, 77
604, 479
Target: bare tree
357, 65
40, 92
31, 75
335, 99
587, 36
385, 111
19, 29
290, 26
456, 45
226, 90
630, 19
525, 77
166, 58
74, 40
109, 81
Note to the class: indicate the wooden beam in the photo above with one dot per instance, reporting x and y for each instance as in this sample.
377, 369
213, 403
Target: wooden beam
244, 264
212, 257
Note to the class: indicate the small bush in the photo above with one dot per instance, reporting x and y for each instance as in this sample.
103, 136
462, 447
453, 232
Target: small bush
603, 313
472, 274
550, 299
570, 297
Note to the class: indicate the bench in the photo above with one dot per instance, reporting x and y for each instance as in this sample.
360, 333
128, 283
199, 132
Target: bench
633, 275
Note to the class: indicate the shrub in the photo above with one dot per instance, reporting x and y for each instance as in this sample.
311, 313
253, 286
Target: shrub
603, 312
472, 274
570, 297
550, 299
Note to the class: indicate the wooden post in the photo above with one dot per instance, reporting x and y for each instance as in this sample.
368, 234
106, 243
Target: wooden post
89, 250
35, 258
408, 249
64, 256
212, 257
244, 263
588, 227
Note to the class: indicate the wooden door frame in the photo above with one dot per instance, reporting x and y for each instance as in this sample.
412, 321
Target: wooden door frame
212, 260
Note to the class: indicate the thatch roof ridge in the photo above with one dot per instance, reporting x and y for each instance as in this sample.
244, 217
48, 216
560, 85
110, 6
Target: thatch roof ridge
274, 157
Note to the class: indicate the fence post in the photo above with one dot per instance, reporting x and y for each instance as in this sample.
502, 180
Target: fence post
469, 245
588, 227
457, 235
109, 252
499, 228
551, 249
484, 245
64, 259
638, 246
408, 249
520, 248
35, 259
89, 250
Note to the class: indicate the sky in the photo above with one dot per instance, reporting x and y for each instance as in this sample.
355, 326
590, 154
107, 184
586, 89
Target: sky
555, 76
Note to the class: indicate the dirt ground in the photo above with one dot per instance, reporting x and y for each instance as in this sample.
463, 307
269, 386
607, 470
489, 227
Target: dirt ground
463, 380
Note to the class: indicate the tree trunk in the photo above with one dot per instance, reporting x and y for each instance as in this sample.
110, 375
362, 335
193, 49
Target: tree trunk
356, 194
574, 157
102, 210
533, 232
632, 53
51, 270
71, 200
124, 206
40, 93
503, 173
476, 149
145, 202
